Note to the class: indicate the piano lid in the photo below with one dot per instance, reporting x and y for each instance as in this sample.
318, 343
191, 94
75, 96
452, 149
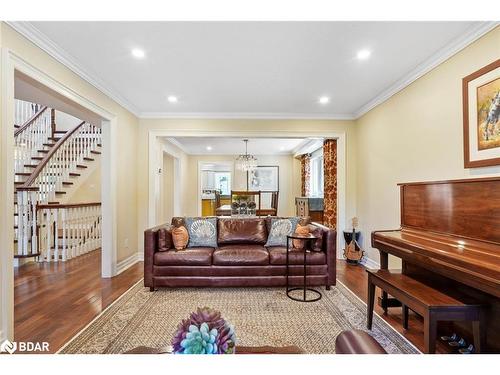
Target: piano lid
467, 208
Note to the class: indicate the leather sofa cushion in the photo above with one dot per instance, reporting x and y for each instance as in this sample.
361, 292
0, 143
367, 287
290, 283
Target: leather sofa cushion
164, 239
277, 256
199, 256
238, 231
241, 255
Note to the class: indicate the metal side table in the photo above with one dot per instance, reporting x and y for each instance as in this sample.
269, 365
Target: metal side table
307, 249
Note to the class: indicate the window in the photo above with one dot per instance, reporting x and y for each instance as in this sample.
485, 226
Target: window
223, 182
316, 176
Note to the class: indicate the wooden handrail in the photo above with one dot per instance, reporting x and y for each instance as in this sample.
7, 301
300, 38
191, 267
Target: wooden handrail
71, 205
27, 184
30, 121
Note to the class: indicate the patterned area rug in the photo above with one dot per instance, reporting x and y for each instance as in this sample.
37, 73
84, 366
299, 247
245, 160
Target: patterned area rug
261, 316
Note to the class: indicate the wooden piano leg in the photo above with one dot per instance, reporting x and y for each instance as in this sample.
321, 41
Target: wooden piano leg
384, 264
479, 332
370, 303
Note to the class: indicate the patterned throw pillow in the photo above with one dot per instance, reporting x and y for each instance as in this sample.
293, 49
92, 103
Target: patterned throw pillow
302, 230
180, 237
202, 232
280, 228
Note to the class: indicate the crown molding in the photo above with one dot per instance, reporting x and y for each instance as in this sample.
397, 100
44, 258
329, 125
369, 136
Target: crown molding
34, 35
432, 62
244, 116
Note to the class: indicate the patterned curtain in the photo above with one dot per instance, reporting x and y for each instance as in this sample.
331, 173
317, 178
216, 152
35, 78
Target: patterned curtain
305, 170
330, 183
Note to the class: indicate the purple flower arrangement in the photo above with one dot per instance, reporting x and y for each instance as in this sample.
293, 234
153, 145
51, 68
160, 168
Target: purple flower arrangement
204, 332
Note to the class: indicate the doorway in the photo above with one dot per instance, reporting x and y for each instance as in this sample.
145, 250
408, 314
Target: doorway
17, 77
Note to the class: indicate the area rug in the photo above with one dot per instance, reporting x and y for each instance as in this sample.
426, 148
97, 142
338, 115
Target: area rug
260, 316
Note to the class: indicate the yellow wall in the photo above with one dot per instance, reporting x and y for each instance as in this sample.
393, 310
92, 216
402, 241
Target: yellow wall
88, 190
198, 125
416, 136
126, 156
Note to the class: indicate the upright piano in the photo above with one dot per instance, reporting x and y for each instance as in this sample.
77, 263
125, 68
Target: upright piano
450, 239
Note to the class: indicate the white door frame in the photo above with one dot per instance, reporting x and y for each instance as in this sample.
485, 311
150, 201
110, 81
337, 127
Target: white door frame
167, 150
153, 144
10, 63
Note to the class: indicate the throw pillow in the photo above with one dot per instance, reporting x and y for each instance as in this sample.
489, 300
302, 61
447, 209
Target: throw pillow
280, 228
180, 237
202, 232
302, 230
164, 240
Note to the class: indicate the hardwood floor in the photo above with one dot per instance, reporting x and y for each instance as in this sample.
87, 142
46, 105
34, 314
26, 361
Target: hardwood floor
54, 301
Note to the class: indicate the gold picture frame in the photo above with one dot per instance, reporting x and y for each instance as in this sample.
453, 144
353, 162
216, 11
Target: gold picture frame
481, 116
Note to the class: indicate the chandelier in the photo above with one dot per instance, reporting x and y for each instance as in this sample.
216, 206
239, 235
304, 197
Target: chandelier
246, 162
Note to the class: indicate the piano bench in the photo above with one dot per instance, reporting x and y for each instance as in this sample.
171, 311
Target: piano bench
426, 301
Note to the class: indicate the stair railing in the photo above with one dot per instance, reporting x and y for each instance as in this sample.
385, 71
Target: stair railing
69, 230
31, 137
47, 179
24, 111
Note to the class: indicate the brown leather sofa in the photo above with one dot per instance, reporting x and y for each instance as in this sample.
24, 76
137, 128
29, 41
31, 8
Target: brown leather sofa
239, 260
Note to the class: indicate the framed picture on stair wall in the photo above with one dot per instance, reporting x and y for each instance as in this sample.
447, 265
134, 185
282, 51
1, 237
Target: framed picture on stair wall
263, 178
481, 117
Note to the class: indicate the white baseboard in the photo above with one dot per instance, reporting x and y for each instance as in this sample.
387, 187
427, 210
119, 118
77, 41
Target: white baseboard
129, 262
126, 263
370, 263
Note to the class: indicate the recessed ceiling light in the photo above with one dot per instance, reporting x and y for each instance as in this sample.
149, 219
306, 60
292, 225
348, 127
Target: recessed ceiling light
324, 100
209, 148
172, 99
138, 53
282, 148
363, 54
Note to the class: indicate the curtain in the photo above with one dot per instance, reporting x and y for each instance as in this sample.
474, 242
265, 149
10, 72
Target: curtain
330, 183
305, 170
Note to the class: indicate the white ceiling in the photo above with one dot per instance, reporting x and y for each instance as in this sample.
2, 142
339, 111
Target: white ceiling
236, 146
251, 69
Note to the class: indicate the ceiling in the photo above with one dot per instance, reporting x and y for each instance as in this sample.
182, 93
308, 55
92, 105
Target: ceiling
236, 146
251, 69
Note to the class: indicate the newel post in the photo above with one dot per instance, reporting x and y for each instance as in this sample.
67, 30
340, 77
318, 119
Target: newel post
53, 121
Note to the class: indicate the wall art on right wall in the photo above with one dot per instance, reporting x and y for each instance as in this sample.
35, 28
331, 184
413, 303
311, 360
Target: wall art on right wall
481, 111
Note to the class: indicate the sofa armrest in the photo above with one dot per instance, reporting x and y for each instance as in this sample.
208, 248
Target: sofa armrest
150, 247
330, 248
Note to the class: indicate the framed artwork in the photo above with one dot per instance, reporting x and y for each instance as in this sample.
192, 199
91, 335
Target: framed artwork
481, 111
263, 178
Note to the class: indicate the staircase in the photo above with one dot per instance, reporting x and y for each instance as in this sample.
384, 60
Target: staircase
48, 162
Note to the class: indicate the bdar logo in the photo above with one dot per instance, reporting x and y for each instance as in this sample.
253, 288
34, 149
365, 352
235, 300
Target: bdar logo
8, 347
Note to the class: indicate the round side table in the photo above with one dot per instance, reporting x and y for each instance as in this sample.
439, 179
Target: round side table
307, 248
